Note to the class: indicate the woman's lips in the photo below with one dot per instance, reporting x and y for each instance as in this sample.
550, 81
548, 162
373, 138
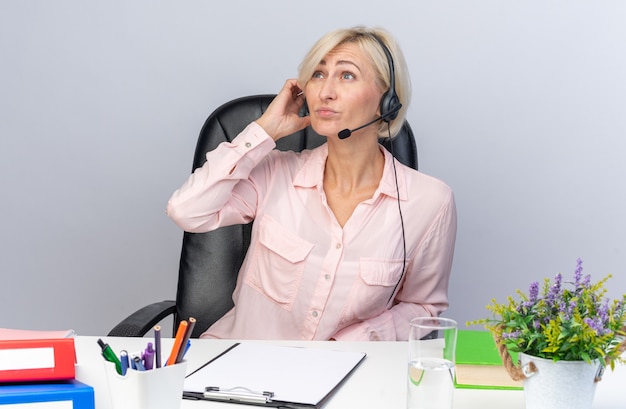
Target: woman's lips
325, 112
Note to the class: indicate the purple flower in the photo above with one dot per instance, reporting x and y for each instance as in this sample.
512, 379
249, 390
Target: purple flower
532, 299
563, 309
511, 335
593, 324
533, 291
567, 309
555, 290
603, 311
572, 306
600, 323
579, 271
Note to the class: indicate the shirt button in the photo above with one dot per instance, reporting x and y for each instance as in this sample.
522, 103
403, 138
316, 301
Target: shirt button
327, 276
338, 246
314, 314
248, 144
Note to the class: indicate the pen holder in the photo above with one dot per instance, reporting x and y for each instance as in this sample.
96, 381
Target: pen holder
153, 389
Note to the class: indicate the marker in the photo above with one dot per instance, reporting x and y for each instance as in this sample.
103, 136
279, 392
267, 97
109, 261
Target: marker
148, 357
138, 364
124, 362
157, 345
110, 356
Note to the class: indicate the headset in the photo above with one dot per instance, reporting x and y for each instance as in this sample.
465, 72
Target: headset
390, 102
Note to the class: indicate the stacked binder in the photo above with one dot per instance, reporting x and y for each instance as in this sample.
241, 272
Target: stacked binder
37, 368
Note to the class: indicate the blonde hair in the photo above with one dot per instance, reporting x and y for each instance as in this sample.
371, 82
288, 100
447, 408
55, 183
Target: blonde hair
366, 38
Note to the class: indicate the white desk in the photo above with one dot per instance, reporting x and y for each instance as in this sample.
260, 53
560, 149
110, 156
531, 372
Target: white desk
379, 382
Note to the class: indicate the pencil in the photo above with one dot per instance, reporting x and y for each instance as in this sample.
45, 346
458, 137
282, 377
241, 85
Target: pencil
183, 345
178, 341
157, 346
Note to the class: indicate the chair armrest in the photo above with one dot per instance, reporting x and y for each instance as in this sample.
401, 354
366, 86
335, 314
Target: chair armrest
143, 320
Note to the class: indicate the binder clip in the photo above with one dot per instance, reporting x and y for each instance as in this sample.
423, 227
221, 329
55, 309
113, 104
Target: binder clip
237, 394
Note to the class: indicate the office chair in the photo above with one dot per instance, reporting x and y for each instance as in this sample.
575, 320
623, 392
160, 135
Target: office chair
210, 262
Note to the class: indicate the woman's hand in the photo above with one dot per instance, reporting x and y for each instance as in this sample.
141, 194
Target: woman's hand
281, 117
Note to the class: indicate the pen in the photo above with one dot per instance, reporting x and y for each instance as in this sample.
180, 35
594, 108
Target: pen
124, 361
148, 357
238, 396
186, 348
157, 345
178, 341
183, 345
138, 364
110, 356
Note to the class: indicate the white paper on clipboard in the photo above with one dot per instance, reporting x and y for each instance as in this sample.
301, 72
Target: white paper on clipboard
293, 374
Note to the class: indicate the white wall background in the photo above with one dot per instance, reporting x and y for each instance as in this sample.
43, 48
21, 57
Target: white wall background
519, 105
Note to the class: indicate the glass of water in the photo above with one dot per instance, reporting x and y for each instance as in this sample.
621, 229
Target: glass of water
432, 347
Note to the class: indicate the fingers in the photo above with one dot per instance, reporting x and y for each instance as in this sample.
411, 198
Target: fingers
282, 115
291, 85
285, 98
291, 93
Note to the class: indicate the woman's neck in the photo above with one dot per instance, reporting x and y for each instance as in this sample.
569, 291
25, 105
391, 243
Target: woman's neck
351, 176
353, 164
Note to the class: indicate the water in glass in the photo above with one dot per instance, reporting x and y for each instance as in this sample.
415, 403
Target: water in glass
430, 384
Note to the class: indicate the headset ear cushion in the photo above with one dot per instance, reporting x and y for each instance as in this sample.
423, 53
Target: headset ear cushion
390, 105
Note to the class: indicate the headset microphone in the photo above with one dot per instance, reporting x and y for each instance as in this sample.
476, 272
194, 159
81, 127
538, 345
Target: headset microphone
347, 132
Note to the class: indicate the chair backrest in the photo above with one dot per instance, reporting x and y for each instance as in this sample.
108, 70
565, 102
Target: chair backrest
210, 262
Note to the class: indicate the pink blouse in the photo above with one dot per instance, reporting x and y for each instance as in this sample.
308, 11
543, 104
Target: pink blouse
304, 276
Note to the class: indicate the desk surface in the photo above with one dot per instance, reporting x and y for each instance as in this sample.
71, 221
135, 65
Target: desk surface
379, 382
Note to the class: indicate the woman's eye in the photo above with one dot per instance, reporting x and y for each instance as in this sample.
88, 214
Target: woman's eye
347, 76
317, 74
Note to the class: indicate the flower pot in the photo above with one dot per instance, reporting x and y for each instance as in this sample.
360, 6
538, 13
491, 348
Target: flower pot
561, 384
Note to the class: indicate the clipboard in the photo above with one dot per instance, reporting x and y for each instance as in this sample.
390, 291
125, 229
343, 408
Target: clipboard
272, 375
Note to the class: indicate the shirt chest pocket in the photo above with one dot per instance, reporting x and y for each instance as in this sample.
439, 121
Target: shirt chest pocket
375, 285
278, 262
